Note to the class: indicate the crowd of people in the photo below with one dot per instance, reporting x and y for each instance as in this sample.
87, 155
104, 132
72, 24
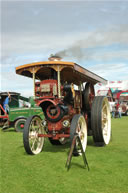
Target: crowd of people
116, 110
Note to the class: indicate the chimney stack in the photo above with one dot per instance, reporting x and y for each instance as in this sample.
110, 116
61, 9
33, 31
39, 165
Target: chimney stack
54, 58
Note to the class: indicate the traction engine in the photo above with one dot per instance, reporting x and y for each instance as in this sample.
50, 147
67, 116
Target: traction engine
58, 111
66, 95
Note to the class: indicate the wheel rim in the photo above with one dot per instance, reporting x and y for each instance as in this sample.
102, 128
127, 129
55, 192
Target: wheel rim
36, 143
19, 126
106, 122
81, 129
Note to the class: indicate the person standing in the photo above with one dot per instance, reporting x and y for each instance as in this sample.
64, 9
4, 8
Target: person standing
6, 103
112, 109
120, 111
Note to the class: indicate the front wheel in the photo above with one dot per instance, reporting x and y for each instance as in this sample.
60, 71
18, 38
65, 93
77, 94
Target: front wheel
78, 126
101, 121
33, 144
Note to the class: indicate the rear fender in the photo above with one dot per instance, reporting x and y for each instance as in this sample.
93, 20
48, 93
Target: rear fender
21, 117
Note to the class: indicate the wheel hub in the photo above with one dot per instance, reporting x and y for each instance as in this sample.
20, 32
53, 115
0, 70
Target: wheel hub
33, 135
81, 136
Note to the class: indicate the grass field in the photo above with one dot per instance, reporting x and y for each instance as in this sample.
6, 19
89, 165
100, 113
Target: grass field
46, 172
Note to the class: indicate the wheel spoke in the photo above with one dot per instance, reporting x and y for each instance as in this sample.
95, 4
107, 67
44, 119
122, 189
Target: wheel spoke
104, 108
32, 127
81, 132
33, 144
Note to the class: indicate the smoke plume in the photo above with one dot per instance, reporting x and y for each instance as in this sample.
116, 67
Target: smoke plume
99, 45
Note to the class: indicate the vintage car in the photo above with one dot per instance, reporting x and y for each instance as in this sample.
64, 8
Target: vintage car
17, 114
65, 92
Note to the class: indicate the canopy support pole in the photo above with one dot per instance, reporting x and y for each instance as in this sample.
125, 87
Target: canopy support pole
58, 77
34, 94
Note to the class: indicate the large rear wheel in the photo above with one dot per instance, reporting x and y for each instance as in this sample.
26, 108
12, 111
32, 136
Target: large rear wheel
33, 144
101, 121
78, 125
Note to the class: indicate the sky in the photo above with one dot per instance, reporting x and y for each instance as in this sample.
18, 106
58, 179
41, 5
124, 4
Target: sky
92, 33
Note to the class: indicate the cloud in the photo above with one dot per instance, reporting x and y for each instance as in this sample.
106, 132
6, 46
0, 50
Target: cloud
39, 26
111, 71
93, 45
92, 33
13, 82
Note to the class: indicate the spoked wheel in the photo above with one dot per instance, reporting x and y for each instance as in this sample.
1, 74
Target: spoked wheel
78, 125
19, 125
88, 96
101, 121
33, 144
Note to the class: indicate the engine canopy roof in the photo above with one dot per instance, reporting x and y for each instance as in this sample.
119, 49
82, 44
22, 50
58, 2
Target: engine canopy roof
69, 71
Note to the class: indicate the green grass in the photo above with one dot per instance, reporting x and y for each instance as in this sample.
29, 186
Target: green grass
46, 172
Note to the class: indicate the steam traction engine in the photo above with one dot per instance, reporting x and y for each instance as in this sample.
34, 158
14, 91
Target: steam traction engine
68, 105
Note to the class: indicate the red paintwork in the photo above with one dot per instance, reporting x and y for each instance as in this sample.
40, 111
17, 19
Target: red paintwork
55, 126
56, 137
86, 116
117, 106
49, 115
50, 82
22, 125
58, 126
54, 102
56, 130
117, 95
